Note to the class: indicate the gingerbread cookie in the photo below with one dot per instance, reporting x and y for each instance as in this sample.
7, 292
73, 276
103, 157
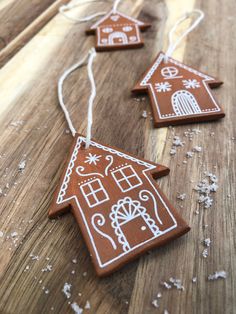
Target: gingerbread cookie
119, 207
179, 94
117, 31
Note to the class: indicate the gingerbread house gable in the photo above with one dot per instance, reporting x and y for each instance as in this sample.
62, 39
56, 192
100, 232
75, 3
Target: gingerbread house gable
112, 18
117, 31
179, 93
116, 202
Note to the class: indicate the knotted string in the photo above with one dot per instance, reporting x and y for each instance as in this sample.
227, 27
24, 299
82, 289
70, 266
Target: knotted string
67, 7
173, 45
90, 57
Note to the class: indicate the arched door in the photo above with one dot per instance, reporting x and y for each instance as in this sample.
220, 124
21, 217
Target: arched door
117, 38
184, 103
131, 223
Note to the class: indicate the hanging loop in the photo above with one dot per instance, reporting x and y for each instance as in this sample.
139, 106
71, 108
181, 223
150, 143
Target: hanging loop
67, 7
115, 5
173, 44
87, 59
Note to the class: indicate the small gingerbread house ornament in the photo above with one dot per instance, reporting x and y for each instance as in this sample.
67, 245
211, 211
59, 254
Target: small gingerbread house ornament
117, 31
119, 207
179, 94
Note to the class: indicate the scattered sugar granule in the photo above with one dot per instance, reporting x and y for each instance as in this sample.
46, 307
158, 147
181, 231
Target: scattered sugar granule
1, 192
14, 234
181, 197
87, 305
34, 257
194, 280
205, 187
205, 253
177, 283
189, 154
73, 272
17, 123
46, 291
76, 308
66, 290
155, 303
26, 268
173, 151
85, 274
159, 295
47, 268
207, 242
144, 114
177, 141
166, 312
22, 165
166, 285
74, 261
217, 275
197, 149
1, 234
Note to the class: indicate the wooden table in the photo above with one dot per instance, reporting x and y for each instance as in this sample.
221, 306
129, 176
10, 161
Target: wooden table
37, 46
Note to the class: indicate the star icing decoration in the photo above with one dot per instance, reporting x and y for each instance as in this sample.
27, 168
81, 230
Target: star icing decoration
93, 159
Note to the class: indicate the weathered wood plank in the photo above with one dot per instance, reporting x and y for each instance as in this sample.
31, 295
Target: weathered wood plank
20, 21
33, 129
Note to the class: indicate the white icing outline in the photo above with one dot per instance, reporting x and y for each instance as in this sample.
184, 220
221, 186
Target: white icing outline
101, 44
64, 186
150, 73
94, 26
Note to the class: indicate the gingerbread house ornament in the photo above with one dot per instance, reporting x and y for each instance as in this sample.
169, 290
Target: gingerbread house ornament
178, 93
117, 31
119, 207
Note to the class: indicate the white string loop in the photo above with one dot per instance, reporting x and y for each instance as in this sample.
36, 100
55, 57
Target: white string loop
173, 45
67, 7
115, 5
90, 57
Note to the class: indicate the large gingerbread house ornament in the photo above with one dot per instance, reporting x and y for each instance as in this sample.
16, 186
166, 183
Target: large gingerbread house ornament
117, 31
178, 93
119, 207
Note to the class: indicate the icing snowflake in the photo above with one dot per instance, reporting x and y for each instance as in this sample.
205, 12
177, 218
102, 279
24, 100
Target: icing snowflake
92, 159
191, 84
163, 87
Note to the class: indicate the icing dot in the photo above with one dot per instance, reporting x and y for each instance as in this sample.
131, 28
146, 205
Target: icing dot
143, 228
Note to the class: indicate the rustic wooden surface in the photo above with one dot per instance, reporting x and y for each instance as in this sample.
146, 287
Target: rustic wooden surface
33, 128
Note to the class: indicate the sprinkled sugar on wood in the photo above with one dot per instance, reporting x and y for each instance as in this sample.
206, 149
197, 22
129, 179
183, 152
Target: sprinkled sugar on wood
66, 290
181, 196
207, 242
205, 188
76, 308
22, 165
222, 274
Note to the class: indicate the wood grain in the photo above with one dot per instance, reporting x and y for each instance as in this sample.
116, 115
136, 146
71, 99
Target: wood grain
33, 129
20, 21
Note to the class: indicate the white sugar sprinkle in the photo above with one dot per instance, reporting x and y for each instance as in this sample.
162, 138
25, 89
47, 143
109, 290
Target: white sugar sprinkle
181, 196
144, 114
177, 141
76, 308
217, 275
155, 303
87, 305
194, 280
1, 234
207, 242
205, 253
47, 268
166, 285
22, 165
66, 290
74, 261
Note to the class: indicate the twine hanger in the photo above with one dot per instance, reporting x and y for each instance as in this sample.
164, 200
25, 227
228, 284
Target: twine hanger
173, 44
87, 59
67, 7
